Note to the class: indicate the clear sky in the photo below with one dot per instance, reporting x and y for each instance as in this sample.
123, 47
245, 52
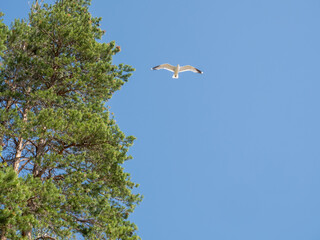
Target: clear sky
233, 154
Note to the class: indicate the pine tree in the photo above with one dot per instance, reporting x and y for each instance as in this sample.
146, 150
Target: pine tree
61, 174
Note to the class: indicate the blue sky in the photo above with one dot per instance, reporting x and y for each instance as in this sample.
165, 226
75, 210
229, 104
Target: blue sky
233, 153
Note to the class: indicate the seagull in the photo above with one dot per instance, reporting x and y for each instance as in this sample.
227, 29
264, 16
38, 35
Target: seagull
177, 69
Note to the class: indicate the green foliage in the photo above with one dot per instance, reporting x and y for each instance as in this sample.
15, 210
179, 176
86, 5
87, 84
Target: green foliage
61, 151
3, 35
28, 202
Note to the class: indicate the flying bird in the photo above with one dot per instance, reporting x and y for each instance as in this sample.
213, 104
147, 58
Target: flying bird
177, 69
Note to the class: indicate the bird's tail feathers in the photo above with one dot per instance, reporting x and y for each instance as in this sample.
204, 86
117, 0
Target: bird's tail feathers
175, 76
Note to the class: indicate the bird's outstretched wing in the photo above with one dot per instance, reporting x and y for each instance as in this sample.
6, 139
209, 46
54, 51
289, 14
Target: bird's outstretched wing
190, 68
166, 66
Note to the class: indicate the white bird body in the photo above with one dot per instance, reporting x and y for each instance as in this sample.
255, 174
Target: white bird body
176, 69
176, 72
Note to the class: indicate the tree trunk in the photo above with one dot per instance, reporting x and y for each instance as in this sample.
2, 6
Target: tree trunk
3, 234
27, 234
19, 148
18, 156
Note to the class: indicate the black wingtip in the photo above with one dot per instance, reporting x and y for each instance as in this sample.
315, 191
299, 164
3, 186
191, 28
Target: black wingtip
199, 71
155, 68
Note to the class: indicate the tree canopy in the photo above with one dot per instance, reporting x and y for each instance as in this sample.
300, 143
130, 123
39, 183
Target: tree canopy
61, 173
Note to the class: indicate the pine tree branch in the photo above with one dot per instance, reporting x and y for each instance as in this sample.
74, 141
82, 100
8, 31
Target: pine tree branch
58, 177
86, 221
45, 237
20, 110
26, 143
22, 167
